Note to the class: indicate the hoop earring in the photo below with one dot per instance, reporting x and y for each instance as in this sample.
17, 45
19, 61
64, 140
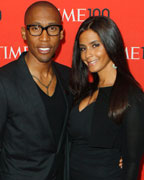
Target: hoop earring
114, 66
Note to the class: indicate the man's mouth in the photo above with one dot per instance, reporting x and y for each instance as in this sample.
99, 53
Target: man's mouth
44, 50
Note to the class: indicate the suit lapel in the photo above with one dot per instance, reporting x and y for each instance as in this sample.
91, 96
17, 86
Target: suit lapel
60, 81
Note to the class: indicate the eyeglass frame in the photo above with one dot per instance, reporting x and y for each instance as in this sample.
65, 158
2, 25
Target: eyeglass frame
44, 28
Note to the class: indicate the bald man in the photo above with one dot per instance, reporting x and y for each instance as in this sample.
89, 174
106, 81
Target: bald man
34, 102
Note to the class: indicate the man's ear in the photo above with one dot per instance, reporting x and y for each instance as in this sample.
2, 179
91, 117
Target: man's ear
61, 34
23, 33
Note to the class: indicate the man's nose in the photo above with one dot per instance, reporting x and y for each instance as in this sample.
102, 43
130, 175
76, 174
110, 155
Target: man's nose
44, 36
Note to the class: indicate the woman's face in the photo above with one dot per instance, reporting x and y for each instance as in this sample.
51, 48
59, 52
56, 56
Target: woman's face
93, 53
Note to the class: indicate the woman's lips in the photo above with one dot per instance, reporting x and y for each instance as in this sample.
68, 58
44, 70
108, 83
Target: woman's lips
92, 63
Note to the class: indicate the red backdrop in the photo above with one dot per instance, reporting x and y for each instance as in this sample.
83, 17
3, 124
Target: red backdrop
128, 15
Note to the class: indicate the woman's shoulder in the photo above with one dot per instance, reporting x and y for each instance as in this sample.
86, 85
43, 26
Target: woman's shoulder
136, 97
134, 114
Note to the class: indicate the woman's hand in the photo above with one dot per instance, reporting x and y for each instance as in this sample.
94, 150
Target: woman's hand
121, 163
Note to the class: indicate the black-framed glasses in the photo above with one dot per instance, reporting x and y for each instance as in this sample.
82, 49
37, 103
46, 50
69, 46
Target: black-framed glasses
36, 30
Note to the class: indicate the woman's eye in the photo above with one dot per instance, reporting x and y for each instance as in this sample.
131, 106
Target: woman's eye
82, 49
96, 45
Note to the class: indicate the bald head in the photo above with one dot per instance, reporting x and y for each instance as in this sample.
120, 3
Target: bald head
42, 4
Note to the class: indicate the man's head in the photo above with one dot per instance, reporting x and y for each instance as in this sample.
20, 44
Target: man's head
42, 43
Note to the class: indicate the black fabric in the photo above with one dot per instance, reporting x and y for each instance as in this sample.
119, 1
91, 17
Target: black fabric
55, 108
28, 150
97, 142
133, 138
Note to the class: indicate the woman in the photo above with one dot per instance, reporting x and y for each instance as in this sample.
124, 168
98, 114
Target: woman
106, 121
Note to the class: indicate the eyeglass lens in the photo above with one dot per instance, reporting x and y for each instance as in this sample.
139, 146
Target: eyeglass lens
37, 30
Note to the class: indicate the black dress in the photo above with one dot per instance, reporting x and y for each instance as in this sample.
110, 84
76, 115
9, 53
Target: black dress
93, 162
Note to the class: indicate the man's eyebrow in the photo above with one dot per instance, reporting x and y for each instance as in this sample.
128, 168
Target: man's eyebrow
38, 23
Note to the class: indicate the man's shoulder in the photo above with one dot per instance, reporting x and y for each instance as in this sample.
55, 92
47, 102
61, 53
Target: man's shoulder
62, 67
63, 72
8, 68
11, 66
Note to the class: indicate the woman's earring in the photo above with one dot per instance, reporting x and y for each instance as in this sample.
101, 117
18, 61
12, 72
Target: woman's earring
114, 66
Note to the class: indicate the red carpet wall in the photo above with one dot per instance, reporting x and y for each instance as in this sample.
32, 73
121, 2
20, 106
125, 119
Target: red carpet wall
128, 14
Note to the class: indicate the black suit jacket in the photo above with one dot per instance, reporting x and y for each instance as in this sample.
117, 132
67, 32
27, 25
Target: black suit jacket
28, 150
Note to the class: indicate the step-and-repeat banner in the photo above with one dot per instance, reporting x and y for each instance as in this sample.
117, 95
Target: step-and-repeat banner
128, 14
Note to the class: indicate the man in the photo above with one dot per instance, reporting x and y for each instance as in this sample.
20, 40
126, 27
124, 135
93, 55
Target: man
34, 102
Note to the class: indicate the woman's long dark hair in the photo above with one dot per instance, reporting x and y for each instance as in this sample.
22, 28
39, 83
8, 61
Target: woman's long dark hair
113, 42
